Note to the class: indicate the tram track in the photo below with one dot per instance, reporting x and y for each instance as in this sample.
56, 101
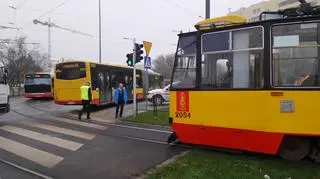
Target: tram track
109, 124
104, 133
140, 139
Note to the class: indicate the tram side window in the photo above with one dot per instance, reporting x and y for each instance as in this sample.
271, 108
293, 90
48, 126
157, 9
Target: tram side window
295, 53
185, 65
232, 59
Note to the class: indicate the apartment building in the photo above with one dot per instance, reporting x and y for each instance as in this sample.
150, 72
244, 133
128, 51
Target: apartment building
252, 12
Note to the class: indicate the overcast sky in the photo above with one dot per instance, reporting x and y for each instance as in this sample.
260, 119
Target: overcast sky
151, 20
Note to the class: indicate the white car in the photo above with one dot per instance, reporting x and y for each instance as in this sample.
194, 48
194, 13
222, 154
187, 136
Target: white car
4, 91
159, 96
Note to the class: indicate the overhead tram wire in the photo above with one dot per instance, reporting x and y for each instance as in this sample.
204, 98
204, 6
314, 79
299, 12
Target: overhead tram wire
44, 14
21, 4
184, 9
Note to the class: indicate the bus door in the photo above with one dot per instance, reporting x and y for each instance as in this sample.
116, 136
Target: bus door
108, 91
100, 79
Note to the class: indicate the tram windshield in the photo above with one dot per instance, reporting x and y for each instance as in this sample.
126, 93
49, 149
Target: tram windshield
185, 64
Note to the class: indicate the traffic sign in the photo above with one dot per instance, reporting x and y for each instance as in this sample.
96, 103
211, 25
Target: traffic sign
147, 46
147, 62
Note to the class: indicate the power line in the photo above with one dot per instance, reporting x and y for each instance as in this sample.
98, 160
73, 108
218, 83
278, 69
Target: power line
184, 9
6, 27
21, 4
48, 12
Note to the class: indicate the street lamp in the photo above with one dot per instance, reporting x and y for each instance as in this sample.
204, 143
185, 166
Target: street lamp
12, 7
99, 31
14, 13
134, 75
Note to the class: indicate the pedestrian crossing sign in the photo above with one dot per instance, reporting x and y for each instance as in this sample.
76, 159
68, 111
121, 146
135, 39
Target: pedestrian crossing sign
147, 62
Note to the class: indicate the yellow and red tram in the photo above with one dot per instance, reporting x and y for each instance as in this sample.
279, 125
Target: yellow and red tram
250, 86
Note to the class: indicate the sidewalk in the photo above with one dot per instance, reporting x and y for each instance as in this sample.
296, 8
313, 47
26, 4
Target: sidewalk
109, 113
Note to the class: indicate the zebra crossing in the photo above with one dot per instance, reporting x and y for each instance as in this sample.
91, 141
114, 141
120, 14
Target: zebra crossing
52, 134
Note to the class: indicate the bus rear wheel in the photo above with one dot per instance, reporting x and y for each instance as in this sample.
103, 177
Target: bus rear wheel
294, 148
315, 151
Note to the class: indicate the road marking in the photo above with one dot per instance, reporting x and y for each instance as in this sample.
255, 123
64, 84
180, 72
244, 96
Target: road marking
38, 156
70, 145
131, 127
25, 169
80, 123
61, 130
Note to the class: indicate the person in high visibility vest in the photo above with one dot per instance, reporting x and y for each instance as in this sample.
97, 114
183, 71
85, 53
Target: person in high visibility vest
86, 98
120, 98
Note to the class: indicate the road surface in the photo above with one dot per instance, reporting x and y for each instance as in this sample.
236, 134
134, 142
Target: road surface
47, 139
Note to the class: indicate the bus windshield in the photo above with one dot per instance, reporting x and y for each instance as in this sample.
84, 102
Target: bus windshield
37, 83
38, 79
70, 71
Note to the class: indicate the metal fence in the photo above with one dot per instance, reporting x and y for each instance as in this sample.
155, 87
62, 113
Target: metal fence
153, 106
16, 91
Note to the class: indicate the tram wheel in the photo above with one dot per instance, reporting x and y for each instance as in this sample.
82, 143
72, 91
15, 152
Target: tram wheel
315, 151
294, 148
172, 138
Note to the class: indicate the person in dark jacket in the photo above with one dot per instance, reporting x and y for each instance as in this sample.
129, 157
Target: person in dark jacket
120, 99
86, 98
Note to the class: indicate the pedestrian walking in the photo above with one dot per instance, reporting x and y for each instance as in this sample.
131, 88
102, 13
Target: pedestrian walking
86, 98
120, 99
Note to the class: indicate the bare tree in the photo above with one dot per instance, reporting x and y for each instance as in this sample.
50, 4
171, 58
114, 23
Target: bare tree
19, 60
163, 64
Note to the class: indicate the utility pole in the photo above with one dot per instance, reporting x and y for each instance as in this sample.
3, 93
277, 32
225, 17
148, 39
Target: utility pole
99, 31
207, 9
49, 39
134, 78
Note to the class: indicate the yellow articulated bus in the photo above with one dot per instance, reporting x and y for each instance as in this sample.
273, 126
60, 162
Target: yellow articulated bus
250, 86
69, 76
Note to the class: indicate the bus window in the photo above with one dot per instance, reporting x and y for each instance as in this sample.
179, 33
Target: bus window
295, 54
232, 59
139, 79
71, 71
185, 64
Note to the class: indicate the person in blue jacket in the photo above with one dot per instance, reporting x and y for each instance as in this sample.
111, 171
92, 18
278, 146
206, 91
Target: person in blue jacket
120, 99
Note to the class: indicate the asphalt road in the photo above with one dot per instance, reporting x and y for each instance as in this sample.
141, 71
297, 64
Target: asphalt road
9, 172
43, 137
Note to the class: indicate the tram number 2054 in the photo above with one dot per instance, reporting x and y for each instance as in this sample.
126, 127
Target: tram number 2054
183, 115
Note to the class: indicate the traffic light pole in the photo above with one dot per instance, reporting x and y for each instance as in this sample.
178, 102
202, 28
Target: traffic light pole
134, 78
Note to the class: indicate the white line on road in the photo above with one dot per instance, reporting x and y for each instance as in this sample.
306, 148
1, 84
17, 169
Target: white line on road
38, 156
25, 169
70, 145
80, 123
131, 127
74, 133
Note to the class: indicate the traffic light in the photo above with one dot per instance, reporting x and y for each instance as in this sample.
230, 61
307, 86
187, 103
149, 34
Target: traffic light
139, 52
130, 59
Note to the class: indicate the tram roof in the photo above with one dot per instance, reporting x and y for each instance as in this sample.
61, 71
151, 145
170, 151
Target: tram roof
223, 21
250, 24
